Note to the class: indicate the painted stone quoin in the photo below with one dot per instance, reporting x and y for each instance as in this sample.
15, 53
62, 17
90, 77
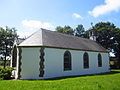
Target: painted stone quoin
48, 54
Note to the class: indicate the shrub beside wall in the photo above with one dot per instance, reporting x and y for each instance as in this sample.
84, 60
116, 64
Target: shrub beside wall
2, 62
5, 73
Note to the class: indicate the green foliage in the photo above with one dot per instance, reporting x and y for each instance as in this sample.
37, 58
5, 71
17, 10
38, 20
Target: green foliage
5, 73
14, 56
59, 29
2, 63
96, 82
79, 31
109, 37
105, 33
7, 37
65, 30
86, 34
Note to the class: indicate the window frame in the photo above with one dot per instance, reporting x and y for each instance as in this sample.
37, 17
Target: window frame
99, 60
67, 61
85, 60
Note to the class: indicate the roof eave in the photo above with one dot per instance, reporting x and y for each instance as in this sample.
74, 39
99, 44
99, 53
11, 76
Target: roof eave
36, 46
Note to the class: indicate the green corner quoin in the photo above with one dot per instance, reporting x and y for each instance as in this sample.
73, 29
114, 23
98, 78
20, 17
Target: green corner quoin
20, 63
41, 62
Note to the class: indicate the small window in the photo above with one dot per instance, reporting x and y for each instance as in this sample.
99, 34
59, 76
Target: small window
99, 60
86, 60
67, 60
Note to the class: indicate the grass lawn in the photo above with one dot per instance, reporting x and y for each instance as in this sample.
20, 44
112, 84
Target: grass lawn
109, 81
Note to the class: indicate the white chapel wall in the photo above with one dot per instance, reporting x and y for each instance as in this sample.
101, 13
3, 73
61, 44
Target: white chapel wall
54, 63
30, 63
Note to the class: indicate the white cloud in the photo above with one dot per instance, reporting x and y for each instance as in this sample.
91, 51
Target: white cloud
27, 27
76, 15
109, 6
36, 24
24, 34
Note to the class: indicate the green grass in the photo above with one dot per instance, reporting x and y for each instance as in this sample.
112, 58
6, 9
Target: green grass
109, 81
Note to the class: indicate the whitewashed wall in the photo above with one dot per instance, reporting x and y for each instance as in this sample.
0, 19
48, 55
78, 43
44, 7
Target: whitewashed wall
30, 63
54, 63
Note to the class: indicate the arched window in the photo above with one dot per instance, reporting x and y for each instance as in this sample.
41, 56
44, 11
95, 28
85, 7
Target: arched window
99, 60
67, 60
86, 60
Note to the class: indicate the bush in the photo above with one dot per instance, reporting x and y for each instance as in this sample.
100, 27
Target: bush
5, 73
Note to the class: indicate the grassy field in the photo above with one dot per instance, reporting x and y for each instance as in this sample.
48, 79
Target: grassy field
109, 81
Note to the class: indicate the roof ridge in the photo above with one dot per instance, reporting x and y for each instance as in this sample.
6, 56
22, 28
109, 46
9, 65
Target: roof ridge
67, 35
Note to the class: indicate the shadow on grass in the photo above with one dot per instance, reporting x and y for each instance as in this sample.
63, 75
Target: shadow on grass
65, 77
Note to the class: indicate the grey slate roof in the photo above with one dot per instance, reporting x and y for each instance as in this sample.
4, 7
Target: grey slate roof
58, 40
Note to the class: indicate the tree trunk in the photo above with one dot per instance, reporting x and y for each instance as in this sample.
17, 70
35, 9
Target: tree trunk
119, 61
118, 55
5, 56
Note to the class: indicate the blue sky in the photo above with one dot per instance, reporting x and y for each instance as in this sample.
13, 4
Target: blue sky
27, 16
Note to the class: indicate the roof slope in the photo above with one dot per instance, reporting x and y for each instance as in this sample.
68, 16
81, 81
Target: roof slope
33, 40
58, 40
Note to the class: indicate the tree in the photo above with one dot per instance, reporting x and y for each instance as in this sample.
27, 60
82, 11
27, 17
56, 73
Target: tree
59, 29
79, 31
105, 34
109, 37
7, 37
117, 45
65, 30
86, 34
14, 56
